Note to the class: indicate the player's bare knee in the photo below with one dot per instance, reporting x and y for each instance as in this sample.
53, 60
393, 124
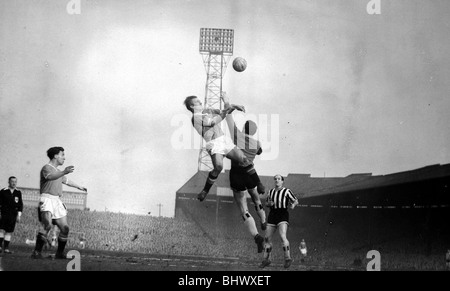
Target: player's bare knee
214, 173
218, 168
47, 227
65, 230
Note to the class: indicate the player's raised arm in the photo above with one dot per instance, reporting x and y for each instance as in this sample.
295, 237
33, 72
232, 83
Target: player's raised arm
234, 131
74, 185
230, 120
231, 107
211, 121
260, 150
214, 117
58, 174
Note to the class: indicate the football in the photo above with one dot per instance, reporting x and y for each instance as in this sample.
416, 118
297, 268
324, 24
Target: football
239, 64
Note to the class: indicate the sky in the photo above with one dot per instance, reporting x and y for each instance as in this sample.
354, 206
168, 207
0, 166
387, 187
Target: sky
335, 90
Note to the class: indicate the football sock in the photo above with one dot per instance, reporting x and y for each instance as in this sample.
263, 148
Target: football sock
62, 241
249, 222
267, 251
40, 242
287, 252
210, 181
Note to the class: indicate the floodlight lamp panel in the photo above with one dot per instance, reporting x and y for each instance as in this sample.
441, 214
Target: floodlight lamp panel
214, 40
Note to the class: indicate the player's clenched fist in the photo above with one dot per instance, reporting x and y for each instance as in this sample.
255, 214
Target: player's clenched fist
69, 169
270, 203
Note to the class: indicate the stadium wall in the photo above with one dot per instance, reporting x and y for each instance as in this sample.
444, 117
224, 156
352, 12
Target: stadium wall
72, 200
409, 217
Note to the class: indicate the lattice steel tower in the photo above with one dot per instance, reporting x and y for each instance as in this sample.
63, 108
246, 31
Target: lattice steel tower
216, 48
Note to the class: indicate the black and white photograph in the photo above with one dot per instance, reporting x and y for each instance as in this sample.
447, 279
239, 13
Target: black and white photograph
224, 136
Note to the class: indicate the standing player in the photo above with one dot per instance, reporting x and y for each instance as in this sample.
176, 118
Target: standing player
279, 199
206, 122
51, 208
11, 207
240, 179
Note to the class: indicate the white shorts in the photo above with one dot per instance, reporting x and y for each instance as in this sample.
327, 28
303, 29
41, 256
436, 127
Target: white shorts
221, 145
52, 204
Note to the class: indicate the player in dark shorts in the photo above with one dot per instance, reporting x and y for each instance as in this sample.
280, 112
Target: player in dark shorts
278, 199
240, 179
11, 206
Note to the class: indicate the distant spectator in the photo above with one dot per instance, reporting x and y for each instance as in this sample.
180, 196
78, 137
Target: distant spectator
303, 249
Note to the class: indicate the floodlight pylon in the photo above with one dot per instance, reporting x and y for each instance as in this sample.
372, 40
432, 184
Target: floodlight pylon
216, 48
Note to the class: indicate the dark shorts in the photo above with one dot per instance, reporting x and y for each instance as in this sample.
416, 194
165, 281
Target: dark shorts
240, 180
8, 222
277, 216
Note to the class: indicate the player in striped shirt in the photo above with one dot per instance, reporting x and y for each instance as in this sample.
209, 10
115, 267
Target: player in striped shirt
279, 199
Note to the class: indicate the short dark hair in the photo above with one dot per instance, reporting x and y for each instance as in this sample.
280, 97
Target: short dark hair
12, 177
187, 102
282, 178
250, 127
51, 152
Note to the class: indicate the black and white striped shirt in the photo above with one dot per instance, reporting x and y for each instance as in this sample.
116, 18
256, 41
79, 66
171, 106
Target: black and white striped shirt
281, 197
